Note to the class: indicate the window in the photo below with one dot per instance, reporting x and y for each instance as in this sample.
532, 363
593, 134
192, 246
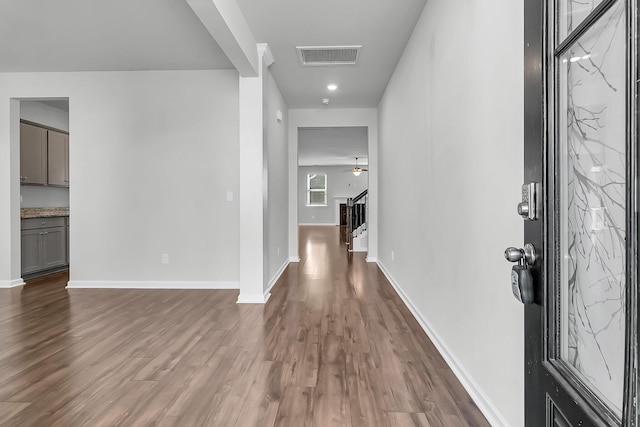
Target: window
317, 189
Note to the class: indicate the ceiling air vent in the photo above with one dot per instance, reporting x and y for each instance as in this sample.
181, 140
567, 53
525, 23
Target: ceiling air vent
310, 56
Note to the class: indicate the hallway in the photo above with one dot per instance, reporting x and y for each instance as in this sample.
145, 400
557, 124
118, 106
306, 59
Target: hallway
334, 346
375, 366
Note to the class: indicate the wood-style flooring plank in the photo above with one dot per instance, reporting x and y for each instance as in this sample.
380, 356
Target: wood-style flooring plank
9, 409
331, 396
261, 405
296, 408
404, 419
334, 346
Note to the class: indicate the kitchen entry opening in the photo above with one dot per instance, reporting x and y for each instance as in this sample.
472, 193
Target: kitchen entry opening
44, 141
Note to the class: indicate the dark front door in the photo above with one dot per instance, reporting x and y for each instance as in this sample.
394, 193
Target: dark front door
580, 168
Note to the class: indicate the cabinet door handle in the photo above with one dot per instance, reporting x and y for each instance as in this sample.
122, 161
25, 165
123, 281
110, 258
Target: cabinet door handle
44, 232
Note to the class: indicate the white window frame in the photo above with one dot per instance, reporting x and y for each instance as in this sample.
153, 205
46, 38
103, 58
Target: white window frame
310, 176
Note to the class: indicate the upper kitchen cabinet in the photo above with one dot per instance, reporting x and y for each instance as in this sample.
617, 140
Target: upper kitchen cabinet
44, 156
58, 155
33, 155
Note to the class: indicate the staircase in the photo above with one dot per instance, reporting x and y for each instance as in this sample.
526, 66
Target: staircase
357, 240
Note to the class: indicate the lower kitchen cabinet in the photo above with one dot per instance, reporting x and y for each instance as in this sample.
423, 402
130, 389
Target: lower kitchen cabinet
31, 251
44, 244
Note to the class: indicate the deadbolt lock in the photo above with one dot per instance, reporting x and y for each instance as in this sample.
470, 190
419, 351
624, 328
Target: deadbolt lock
529, 206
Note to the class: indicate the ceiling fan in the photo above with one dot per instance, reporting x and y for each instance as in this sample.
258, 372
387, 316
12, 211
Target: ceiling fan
358, 170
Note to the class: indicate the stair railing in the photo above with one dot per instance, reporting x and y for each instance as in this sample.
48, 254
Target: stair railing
356, 217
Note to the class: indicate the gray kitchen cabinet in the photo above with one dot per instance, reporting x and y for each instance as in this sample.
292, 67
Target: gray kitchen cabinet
31, 251
54, 247
44, 244
58, 159
33, 155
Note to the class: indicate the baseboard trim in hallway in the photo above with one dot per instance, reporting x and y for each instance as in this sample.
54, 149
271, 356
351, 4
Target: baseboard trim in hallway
11, 283
262, 299
493, 415
150, 284
254, 298
276, 277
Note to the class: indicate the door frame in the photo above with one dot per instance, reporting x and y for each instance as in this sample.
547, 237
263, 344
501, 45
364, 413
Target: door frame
540, 374
313, 118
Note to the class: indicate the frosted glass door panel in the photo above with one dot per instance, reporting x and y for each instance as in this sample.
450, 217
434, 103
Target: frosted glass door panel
572, 13
592, 188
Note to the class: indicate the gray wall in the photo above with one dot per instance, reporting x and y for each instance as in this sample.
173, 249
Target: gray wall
152, 156
340, 183
277, 196
454, 106
34, 196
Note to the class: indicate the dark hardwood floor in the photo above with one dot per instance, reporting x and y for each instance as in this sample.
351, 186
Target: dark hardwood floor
334, 346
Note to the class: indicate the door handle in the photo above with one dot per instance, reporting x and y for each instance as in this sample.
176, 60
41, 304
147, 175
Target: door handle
526, 255
521, 276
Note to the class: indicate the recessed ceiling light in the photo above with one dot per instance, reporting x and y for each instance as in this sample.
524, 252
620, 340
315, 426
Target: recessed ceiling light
332, 87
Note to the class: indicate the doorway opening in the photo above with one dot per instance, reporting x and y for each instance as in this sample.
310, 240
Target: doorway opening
333, 179
44, 187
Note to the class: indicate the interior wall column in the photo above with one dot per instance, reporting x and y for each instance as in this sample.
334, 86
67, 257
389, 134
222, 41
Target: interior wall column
252, 209
10, 272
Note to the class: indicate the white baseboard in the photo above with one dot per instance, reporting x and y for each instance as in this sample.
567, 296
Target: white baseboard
488, 409
149, 284
254, 298
372, 259
276, 277
294, 259
323, 224
262, 299
11, 283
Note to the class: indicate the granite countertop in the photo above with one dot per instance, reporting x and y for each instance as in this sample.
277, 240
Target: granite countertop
43, 212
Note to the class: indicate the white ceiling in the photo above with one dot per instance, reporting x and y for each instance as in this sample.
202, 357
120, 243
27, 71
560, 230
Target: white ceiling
332, 146
91, 35
112, 35
382, 27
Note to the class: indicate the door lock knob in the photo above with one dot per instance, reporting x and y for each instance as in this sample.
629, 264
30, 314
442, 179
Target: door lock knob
521, 274
526, 256
513, 254
523, 209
